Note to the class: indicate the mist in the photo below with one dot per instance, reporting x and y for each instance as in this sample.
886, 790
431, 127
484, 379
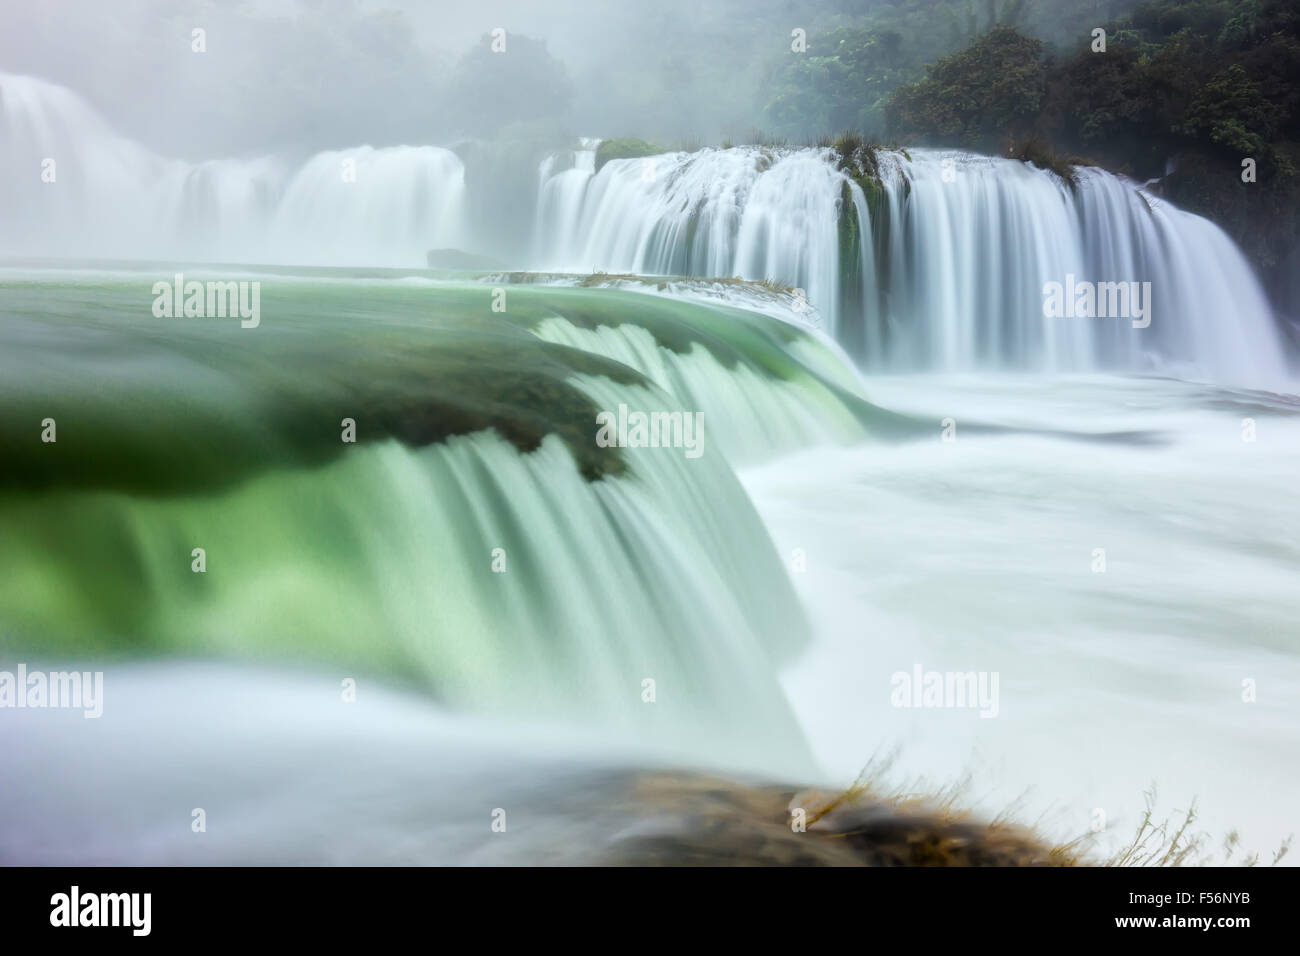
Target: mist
313, 74
316, 74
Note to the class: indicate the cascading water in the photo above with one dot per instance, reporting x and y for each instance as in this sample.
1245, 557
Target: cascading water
753, 212
765, 388
474, 544
942, 266
964, 246
73, 187
560, 192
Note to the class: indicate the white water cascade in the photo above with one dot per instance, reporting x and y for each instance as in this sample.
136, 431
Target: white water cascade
752, 212
72, 187
964, 246
947, 259
940, 265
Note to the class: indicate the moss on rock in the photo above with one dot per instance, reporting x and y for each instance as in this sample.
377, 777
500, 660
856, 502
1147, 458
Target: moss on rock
611, 149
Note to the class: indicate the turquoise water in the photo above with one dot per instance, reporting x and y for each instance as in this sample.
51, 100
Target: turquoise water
474, 542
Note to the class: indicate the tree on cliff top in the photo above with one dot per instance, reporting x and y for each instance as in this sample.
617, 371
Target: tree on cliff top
975, 97
507, 79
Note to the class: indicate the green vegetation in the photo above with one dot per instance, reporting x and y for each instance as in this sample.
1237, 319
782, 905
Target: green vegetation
858, 160
859, 52
840, 83
1186, 92
610, 149
1036, 150
991, 89
526, 84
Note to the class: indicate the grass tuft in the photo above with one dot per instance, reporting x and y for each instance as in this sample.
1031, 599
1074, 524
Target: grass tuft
1042, 154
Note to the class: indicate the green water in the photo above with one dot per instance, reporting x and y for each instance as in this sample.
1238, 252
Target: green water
474, 542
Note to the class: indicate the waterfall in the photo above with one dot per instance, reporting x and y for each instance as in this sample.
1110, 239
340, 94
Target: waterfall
965, 245
483, 567
74, 187
921, 260
765, 387
560, 193
749, 211
941, 266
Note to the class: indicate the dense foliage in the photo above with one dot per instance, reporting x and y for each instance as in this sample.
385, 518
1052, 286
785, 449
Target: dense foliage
844, 88
516, 83
859, 51
991, 89
1186, 92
